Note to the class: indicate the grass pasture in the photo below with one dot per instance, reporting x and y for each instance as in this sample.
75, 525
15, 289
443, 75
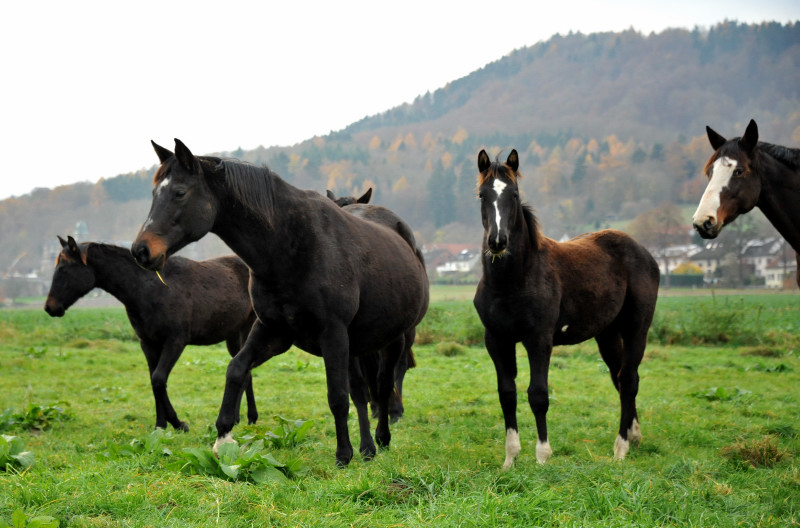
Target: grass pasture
718, 403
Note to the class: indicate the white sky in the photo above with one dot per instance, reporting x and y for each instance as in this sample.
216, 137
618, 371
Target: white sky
85, 85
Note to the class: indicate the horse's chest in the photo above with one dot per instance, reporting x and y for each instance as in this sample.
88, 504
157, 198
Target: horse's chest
512, 316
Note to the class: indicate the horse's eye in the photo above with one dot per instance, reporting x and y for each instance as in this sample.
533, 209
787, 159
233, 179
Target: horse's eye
481, 195
738, 171
180, 193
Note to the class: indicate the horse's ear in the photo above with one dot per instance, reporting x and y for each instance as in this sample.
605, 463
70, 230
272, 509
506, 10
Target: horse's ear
715, 139
330, 195
365, 197
162, 153
483, 161
185, 157
73, 246
750, 138
513, 160
63, 242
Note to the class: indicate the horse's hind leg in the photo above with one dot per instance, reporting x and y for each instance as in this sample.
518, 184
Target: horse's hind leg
611, 347
234, 345
359, 393
629, 430
386, 369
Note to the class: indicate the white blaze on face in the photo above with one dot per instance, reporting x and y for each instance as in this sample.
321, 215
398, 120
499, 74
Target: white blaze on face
721, 173
162, 186
498, 189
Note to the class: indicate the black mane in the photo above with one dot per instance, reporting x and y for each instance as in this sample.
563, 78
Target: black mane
252, 186
533, 224
786, 155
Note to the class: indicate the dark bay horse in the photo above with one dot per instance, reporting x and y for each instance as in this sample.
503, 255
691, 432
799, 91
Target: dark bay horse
322, 279
545, 293
203, 303
369, 363
744, 173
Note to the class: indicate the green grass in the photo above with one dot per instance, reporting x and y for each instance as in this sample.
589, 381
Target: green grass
721, 437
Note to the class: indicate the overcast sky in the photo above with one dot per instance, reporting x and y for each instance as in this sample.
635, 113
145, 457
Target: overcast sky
86, 85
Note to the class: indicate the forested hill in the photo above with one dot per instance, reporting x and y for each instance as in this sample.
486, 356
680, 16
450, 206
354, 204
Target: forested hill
607, 126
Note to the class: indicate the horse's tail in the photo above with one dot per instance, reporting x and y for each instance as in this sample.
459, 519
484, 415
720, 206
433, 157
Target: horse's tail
411, 360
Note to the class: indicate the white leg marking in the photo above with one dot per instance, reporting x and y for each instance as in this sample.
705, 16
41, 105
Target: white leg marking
513, 447
498, 188
721, 173
543, 451
227, 439
621, 448
635, 432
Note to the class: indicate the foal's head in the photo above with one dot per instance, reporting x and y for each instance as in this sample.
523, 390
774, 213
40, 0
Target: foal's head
72, 279
183, 208
500, 203
734, 182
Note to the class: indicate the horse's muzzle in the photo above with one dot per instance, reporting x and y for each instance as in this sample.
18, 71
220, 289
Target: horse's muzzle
707, 229
141, 253
53, 309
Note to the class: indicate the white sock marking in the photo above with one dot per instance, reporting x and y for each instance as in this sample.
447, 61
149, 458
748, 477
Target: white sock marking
621, 448
543, 451
227, 439
513, 447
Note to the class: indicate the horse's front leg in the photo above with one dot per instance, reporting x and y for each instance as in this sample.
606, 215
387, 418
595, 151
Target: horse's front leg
234, 345
161, 358
336, 355
261, 345
505, 365
389, 357
539, 348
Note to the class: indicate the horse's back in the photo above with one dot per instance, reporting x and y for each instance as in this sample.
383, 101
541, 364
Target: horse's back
614, 261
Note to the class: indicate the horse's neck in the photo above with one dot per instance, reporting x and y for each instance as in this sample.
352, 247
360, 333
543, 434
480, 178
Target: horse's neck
116, 272
250, 238
780, 195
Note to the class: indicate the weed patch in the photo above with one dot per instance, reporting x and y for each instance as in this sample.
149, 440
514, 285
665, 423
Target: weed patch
755, 453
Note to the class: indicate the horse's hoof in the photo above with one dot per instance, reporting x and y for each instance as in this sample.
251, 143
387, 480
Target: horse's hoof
226, 439
182, 426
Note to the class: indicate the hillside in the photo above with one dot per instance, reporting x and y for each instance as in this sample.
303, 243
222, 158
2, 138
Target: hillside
607, 125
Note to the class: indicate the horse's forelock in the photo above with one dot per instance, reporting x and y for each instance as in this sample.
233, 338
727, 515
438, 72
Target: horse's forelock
159, 175
497, 170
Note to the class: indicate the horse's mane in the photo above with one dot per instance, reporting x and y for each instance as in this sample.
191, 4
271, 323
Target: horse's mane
252, 186
786, 155
533, 224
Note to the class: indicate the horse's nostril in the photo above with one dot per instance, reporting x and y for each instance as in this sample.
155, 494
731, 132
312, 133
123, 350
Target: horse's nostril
708, 224
141, 253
